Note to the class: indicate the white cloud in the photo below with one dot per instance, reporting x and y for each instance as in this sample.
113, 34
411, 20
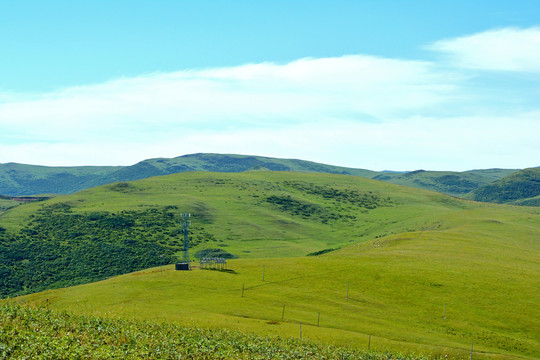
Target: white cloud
358, 111
507, 49
357, 88
454, 143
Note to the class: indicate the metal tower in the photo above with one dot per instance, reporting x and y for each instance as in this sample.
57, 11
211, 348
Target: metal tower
185, 226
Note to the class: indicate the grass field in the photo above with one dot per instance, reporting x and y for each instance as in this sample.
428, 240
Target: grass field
27, 333
408, 259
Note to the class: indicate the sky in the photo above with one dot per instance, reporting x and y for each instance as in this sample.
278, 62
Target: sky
374, 84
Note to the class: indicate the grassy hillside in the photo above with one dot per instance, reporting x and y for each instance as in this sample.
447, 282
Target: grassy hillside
482, 278
254, 214
407, 257
519, 188
17, 179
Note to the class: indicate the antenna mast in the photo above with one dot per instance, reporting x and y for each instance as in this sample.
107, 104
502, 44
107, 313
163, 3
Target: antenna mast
185, 226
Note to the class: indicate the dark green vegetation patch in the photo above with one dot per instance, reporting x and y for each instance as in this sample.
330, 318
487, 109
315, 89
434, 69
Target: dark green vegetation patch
59, 247
366, 200
322, 252
214, 253
302, 208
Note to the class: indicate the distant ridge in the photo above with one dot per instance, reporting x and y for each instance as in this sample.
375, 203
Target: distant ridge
25, 180
21, 179
519, 188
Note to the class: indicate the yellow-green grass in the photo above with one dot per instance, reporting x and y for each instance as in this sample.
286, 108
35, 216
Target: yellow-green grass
486, 277
406, 264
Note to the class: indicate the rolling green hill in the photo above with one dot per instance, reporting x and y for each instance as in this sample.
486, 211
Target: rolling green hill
17, 179
519, 188
447, 182
251, 214
407, 259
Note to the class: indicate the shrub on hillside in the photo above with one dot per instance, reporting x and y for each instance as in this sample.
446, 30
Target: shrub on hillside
214, 253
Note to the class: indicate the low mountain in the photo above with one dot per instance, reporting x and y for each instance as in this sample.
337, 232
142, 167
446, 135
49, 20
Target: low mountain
19, 179
23, 180
228, 163
519, 188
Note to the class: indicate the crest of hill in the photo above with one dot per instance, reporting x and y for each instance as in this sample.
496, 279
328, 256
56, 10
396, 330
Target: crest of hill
519, 188
19, 179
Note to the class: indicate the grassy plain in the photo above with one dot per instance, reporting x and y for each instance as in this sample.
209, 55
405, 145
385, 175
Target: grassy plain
424, 271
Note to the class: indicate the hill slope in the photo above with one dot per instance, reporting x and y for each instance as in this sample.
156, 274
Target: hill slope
80, 237
17, 179
519, 188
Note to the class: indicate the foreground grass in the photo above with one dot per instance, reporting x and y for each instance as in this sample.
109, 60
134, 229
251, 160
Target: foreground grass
40, 334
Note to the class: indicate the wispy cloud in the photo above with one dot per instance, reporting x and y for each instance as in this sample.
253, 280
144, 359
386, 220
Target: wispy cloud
259, 94
356, 110
507, 49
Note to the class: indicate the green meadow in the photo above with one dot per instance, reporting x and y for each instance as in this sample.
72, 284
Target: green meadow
414, 271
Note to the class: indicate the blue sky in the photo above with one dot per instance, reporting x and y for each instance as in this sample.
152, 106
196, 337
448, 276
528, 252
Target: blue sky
400, 85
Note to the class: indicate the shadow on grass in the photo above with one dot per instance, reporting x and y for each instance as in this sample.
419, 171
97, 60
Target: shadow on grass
229, 271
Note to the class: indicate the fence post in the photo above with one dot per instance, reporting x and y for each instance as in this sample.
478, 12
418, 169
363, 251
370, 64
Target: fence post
283, 312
